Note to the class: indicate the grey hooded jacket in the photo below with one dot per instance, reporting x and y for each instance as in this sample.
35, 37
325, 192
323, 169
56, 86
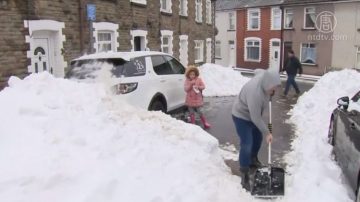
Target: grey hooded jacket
253, 99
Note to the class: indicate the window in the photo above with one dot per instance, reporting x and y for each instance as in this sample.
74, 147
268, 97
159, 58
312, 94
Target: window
288, 18
199, 51
308, 53
358, 58
104, 41
218, 49
139, 1
231, 21
105, 35
275, 19
183, 7
253, 19
253, 49
134, 67
310, 18
165, 6
198, 10
166, 41
138, 40
161, 67
208, 11
175, 65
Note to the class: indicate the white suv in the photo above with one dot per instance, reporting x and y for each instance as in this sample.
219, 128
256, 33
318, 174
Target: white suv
150, 80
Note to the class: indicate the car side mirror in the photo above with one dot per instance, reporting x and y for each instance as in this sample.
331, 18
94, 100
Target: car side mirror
343, 102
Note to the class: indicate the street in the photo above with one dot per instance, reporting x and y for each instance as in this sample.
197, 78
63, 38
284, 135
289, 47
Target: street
218, 112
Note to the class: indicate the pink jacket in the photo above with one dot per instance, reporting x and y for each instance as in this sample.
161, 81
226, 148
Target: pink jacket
194, 99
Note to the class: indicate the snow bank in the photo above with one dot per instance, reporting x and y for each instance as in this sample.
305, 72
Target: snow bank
221, 81
312, 169
63, 141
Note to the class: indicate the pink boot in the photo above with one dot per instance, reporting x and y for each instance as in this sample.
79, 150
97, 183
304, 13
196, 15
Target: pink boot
192, 118
204, 122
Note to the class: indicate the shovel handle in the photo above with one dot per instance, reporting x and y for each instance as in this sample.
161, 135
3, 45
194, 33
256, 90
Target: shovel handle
270, 129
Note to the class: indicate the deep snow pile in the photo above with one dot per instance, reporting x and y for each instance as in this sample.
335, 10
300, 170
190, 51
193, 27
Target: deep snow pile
63, 141
311, 166
221, 81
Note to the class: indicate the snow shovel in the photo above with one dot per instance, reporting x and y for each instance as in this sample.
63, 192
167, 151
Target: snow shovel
269, 182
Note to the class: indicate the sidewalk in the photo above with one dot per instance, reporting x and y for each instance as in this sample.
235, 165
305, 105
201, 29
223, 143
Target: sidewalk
303, 77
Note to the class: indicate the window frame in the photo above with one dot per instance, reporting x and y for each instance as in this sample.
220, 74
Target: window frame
167, 34
305, 14
218, 49
143, 2
273, 18
232, 22
208, 12
301, 53
249, 19
246, 55
198, 14
168, 8
183, 7
286, 16
201, 50
108, 42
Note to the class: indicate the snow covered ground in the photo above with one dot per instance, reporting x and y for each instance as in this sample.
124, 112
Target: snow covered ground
70, 142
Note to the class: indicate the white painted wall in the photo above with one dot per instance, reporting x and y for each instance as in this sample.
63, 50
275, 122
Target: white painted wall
346, 35
224, 35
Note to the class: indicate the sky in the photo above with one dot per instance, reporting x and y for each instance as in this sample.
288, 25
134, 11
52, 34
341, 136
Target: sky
75, 142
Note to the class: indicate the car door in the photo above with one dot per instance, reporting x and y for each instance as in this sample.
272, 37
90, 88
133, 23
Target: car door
353, 148
164, 79
347, 142
179, 79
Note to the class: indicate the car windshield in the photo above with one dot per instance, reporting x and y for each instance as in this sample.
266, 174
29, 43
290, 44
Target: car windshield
93, 68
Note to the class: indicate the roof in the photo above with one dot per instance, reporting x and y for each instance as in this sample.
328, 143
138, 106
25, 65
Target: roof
237, 4
308, 1
123, 55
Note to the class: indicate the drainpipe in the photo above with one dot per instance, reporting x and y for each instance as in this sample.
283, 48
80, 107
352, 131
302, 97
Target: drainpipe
213, 3
282, 39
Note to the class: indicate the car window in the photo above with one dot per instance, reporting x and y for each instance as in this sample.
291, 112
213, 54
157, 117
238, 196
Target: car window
176, 66
89, 69
134, 67
161, 67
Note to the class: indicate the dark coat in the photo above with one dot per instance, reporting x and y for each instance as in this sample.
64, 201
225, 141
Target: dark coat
293, 66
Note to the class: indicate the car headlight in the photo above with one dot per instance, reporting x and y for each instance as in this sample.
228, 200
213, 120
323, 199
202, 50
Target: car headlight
124, 88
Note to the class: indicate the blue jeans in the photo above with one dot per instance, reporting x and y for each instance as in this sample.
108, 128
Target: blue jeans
291, 81
250, 140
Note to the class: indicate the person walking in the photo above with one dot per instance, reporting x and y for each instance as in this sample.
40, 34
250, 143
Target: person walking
194, 99
292, 67
247, 112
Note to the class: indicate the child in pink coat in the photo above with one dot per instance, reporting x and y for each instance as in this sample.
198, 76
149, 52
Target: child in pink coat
194, 98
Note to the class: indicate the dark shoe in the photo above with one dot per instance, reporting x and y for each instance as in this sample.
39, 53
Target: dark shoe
255, 163
245, 178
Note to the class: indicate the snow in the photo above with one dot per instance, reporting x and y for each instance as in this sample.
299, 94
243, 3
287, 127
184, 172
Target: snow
64, 141
221, 81
312, 169
71, 142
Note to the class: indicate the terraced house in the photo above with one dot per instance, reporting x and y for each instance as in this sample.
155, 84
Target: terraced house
45, 35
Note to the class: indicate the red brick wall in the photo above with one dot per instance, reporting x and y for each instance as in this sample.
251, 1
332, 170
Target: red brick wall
265, 34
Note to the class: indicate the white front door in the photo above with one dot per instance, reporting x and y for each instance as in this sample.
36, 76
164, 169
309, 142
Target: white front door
41, 57
275, 55
231, 54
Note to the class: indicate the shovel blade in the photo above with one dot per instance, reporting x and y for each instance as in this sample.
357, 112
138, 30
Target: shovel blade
269, 183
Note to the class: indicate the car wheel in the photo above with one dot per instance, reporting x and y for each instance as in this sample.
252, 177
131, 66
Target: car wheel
157, 105
358, 194
331, 133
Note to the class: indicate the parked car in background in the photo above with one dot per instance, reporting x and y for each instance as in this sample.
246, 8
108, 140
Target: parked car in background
147, 79
344, 135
